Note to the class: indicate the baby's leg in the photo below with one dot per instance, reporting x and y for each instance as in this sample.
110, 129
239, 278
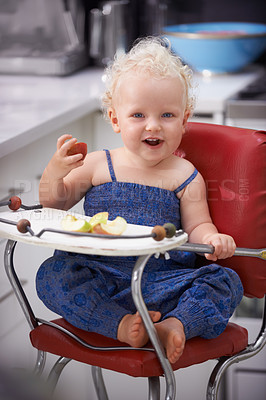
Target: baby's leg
172, 336
131, 329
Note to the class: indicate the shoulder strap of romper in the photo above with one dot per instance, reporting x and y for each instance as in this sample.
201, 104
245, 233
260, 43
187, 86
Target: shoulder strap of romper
187, 181
110, 165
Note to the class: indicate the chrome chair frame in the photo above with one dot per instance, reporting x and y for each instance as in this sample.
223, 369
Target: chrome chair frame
154, 382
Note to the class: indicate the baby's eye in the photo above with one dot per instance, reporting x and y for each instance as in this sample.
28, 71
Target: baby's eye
138, 115
167, 115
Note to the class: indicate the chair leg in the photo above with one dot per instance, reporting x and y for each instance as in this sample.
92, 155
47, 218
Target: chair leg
40, 362
56, 372
154, 388
141, 307
98, 382
225, 362
213, 384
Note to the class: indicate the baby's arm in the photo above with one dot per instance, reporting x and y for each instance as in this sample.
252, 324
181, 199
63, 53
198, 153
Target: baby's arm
196, 221
59, 185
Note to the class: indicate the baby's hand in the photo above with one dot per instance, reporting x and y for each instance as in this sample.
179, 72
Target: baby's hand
61, 162
224, 246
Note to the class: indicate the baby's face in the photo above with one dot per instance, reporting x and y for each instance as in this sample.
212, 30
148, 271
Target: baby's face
150, 114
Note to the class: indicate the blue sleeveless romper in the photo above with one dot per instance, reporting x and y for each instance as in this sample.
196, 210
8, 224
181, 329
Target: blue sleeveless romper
94, 292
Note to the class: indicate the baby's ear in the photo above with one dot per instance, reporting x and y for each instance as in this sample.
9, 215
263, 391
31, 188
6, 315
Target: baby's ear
113, 119
185, 118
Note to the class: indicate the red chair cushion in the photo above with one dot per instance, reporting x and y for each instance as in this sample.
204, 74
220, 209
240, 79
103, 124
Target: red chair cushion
233, 164
133, 362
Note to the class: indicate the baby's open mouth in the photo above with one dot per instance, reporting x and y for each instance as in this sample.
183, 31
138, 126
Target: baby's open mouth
153, 142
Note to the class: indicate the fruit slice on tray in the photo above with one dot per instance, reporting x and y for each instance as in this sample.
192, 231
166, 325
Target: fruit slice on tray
73, 224
99, 218
115, 227
97, 224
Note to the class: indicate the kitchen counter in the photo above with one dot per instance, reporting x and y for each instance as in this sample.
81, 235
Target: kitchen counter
32, 106
212, 91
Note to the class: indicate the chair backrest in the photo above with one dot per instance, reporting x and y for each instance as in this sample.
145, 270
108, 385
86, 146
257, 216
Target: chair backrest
233, 164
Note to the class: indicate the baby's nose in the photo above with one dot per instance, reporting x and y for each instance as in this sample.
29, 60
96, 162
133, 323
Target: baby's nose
153, 124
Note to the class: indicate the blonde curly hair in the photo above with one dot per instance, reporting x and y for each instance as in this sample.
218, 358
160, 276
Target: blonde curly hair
149, 55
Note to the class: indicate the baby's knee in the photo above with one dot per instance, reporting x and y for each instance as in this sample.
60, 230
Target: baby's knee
228, 281
235, 286
47, 279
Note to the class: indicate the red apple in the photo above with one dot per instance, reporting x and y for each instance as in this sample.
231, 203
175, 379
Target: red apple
78, 148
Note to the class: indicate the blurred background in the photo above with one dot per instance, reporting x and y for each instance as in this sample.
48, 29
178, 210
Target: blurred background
88, 32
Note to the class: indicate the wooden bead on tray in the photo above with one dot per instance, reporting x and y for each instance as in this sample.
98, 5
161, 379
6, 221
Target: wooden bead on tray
22, 225
15, 203
159, 233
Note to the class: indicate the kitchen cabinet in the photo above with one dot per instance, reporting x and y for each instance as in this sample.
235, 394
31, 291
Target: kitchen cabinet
104, 137
9, 320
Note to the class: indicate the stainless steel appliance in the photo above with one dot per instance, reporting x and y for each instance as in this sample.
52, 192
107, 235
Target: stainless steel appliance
43, 37
58, 37
110, 30
115, 24
247, 108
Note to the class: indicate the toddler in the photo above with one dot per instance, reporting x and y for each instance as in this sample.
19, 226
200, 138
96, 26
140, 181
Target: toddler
148, 102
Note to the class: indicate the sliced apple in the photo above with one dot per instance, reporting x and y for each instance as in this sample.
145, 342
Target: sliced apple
115, 227
99, 218
78, 148
97, 224
72, 224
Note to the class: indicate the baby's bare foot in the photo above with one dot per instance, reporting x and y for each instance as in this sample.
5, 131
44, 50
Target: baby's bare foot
131, 329
172, 336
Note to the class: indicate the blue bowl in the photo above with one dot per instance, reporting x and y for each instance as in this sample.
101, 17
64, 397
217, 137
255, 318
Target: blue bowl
218, 47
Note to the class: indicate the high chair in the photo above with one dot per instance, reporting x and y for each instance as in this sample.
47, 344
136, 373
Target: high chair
232, 162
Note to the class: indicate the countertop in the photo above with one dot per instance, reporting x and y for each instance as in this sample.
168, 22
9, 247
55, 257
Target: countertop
34, 106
